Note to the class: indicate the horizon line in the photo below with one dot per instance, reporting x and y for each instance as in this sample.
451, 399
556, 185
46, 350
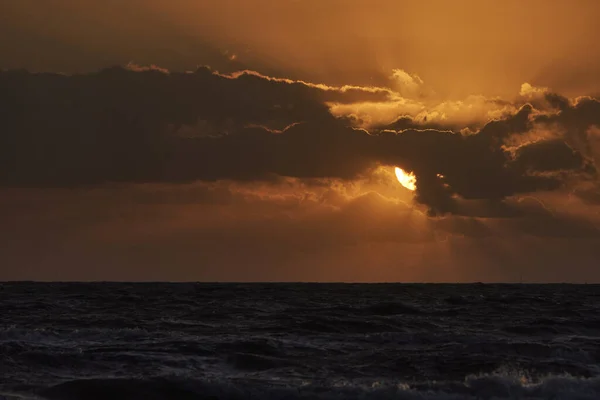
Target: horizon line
2, 282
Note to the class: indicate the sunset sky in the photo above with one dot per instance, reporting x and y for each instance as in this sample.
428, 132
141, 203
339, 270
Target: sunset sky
254, 140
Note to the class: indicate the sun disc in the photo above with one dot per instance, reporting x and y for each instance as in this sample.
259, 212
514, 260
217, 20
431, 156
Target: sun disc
406, 179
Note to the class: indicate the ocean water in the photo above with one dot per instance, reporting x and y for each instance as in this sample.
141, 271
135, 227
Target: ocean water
113, 341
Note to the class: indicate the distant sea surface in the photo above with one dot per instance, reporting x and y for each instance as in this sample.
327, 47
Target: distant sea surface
116, 341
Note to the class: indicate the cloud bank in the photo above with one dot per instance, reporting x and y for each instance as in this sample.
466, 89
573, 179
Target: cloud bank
144, 167
148, 125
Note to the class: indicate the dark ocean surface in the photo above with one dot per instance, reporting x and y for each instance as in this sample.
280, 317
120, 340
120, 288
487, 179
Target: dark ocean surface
114, 341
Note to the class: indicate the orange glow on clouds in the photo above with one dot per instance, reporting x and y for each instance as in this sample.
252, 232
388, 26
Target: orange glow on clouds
406, 179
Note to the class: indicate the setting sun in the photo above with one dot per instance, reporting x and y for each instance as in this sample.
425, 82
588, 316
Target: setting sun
408, 180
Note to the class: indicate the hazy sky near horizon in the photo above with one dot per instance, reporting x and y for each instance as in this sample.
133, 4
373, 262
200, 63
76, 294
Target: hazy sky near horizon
252, 140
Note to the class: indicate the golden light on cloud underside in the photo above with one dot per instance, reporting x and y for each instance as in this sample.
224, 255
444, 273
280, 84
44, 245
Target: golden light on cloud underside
406, 179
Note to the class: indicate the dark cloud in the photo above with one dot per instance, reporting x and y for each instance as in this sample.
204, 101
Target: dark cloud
120, 125
548, 155
407, 122
558, 101
574, 120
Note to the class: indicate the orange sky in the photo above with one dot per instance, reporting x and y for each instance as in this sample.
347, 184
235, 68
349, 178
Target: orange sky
277, 161
460, 48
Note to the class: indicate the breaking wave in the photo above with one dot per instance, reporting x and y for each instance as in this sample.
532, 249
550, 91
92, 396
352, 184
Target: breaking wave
474, 387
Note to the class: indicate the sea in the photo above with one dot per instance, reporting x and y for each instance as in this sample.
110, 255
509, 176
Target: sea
155, 341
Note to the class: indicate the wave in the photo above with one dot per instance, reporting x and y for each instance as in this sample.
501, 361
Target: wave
299, 342
393, 308
495, 386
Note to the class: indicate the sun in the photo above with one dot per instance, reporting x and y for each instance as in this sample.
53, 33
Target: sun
408, 180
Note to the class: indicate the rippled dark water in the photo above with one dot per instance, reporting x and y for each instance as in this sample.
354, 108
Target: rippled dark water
299, 341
